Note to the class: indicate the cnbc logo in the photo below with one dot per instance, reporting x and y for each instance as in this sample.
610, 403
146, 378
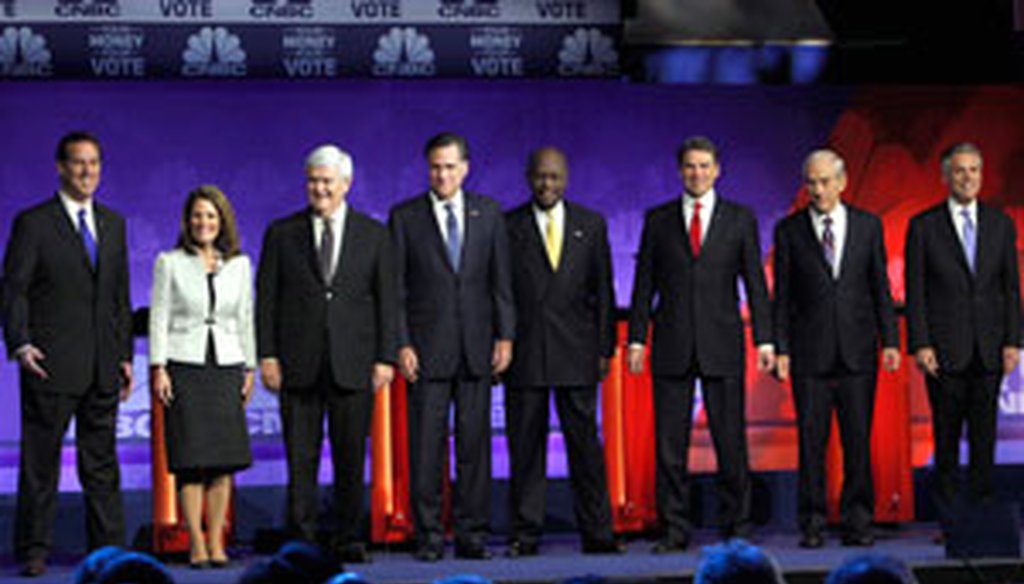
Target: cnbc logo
23, 53
213, 52
403, 52
87, 8
469, 9
587, 52
281, 8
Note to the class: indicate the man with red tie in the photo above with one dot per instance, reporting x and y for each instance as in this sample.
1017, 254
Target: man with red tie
693, 251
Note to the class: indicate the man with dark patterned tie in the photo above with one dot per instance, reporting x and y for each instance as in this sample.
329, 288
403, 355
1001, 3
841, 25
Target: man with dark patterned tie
832, 312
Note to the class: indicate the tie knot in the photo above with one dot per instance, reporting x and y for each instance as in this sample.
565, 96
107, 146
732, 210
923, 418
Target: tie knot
81, 214
966, 213
696, 206
828, 221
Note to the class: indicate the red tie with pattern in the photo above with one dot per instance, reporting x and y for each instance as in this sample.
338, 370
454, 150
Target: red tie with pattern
695, 232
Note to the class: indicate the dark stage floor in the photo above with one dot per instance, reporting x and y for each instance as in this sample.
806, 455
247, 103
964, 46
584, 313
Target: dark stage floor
561, 559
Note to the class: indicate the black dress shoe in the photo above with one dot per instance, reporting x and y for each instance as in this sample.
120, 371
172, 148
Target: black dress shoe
200, 564
429, 553
353, 553
521, 549
603, 546
219, 564
33, 568
671, 546
812, 540
472, 552
859, 539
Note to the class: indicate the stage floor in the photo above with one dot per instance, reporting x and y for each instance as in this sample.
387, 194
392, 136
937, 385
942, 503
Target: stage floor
560, 559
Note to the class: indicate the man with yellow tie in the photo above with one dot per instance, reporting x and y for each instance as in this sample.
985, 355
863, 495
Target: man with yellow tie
565, 331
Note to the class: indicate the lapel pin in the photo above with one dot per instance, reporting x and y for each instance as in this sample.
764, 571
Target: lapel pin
474, 212
578, 234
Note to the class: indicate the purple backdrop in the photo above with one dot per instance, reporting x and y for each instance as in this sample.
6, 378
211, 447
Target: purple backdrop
250, 138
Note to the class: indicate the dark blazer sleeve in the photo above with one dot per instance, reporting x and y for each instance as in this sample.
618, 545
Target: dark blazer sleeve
783, 273
605, 292
885, 313
1011, 283
643, 285
396, 225
754, 282
501, 282
266, 295
913, 282
19, 265
387, 303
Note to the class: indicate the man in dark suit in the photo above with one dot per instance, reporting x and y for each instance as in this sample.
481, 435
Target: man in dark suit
693, 251
963, 320
565, 334
455, 328
326, 318
68, 324
832, 311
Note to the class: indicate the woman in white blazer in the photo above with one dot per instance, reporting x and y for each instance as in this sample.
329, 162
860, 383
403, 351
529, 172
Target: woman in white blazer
202, 356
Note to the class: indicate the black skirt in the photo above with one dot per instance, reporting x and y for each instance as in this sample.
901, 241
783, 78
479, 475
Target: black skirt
205, 427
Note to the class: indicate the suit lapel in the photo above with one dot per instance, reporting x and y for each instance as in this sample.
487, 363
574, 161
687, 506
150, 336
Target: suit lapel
471, 216
67, 231
714, 226
984, 249
572, 238
954, 238
309, 245
812, 243
350, 246
429, 222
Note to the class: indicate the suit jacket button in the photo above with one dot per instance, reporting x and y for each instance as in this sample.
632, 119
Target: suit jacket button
329, 295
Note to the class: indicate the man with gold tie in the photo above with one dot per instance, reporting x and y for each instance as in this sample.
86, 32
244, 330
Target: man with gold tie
565, 302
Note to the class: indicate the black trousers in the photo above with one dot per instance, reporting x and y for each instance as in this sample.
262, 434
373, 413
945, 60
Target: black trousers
45, 417
429, 403
348, 412
527, 423
852, 397
957, 398
673, 410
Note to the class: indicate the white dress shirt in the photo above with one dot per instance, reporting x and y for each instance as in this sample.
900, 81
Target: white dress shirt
707, 207
556, 214
956, 211
839, 217
72, 207
337, 228
441, 213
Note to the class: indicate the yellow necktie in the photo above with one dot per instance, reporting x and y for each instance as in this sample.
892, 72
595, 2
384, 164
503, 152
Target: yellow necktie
553, 239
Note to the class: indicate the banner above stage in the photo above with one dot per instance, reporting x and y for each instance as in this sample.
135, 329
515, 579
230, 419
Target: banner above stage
75, 39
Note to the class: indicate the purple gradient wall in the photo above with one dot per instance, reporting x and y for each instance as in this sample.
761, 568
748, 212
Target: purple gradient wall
250, 138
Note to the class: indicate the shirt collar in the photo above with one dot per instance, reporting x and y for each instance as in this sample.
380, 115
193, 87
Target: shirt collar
557, 211
73, 206
455, 200
707, 200
955, 207
338, 217
836, 214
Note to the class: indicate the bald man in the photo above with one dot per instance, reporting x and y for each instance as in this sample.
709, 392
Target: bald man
565, 326
833, 311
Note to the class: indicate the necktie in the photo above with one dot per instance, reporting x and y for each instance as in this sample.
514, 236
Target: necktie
970, 238
87, 239
326, 250
695, 230
828, 243
454, 242
553, 239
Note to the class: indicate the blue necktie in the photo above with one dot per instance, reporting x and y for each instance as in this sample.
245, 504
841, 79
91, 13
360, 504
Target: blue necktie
454, 241
970, 239
87, 239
